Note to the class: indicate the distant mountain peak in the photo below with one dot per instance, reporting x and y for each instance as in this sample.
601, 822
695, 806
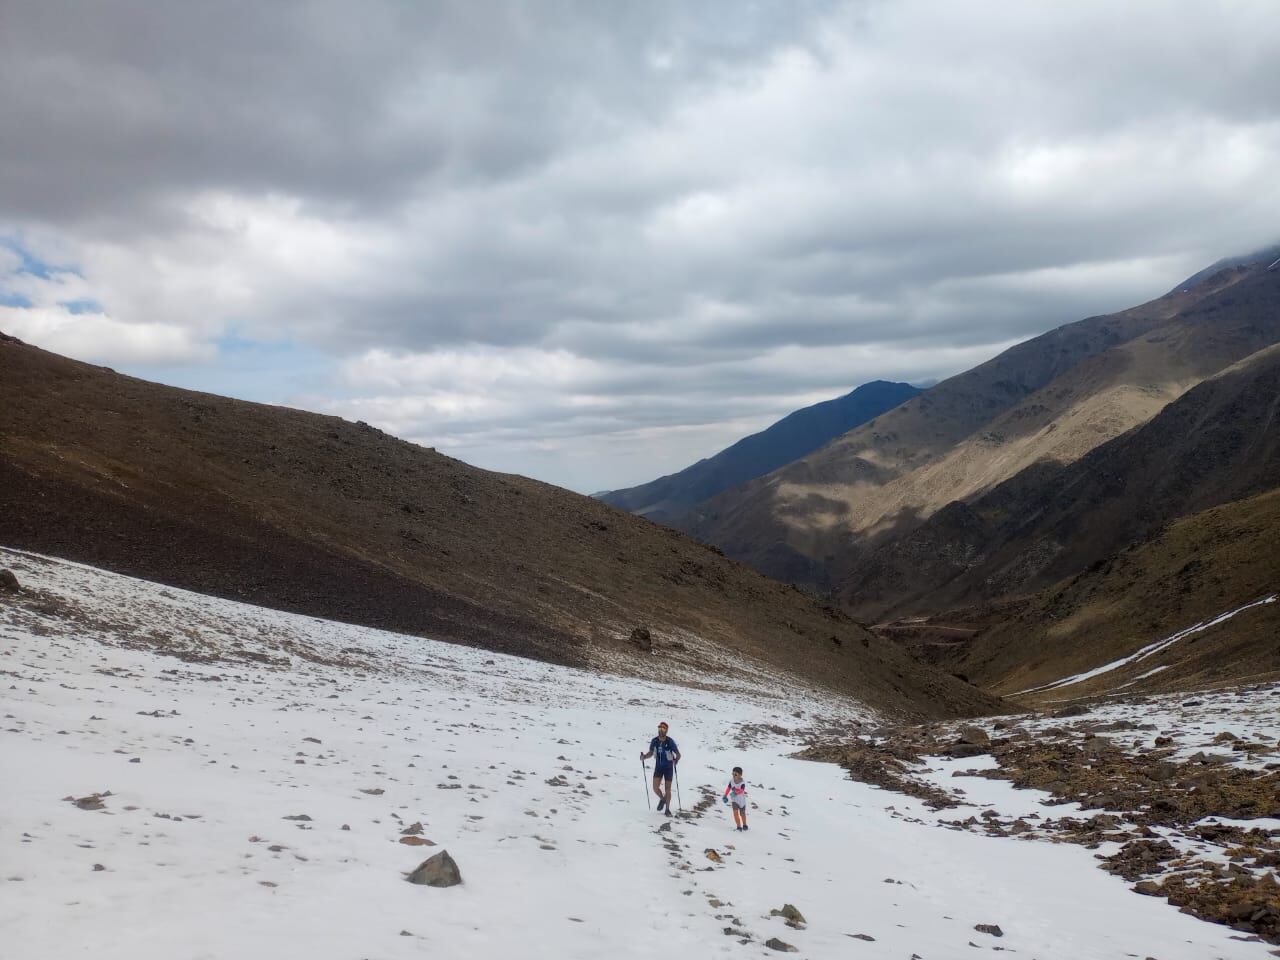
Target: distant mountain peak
795, 435
1270, 256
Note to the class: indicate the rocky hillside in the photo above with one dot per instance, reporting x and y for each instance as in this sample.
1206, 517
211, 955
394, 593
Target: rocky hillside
1219, 442
795, 435
317, 515
1204, 580
1186, 609
1152, 559
1047, 401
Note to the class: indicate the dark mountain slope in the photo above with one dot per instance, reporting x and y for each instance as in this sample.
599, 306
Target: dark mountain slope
1191, 572
1219, 442
1267, 256
316, 515
790, 438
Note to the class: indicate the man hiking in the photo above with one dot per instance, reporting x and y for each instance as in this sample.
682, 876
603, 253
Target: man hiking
667, 755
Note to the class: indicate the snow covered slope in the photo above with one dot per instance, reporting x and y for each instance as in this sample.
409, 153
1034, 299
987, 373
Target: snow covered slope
263, 768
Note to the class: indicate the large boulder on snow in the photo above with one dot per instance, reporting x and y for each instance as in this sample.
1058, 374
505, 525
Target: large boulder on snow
437, 871
974, 737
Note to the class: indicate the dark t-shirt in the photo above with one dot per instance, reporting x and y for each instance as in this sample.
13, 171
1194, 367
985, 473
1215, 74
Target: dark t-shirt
664, 753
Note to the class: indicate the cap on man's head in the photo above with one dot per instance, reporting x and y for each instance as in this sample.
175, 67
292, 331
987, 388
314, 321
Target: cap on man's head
662, 726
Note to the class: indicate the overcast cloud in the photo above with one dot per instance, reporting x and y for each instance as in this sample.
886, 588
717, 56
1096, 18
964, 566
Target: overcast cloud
592, 241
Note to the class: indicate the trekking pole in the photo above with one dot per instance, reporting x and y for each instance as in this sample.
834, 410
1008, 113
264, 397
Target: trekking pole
645, 767
679, 802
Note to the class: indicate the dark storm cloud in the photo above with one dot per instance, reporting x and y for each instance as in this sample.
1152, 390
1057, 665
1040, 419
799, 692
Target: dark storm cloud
616, 234
112, 104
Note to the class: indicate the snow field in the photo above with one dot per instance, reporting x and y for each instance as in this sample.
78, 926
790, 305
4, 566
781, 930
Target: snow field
464, 742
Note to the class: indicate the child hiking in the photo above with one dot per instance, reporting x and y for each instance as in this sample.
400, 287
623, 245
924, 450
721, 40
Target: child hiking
736, 794
666, 755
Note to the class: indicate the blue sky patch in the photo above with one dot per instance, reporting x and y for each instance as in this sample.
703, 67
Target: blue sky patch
8, 299
262, 371
33, 265
81, 306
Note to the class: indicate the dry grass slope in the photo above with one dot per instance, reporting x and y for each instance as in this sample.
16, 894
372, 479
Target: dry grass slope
1194, 570
1217, 443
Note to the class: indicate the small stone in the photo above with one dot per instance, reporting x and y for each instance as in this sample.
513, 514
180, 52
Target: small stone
991, 928
98, 868
642, 638
790, 914
861, 936
773, 943
417, 842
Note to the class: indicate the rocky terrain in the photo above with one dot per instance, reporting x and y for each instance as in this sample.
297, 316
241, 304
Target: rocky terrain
329, 518
1178, 796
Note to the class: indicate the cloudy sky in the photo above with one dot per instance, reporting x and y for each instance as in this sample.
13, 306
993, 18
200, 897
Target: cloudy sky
594, 241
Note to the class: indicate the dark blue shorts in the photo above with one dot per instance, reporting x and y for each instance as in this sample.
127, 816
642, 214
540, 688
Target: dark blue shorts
663, 772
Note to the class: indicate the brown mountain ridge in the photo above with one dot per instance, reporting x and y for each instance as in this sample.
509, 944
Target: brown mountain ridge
1218, 443
317, 515
1051, 399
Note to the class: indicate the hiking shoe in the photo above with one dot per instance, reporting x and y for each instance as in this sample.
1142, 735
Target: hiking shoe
661, 803
744, 826
667, 811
